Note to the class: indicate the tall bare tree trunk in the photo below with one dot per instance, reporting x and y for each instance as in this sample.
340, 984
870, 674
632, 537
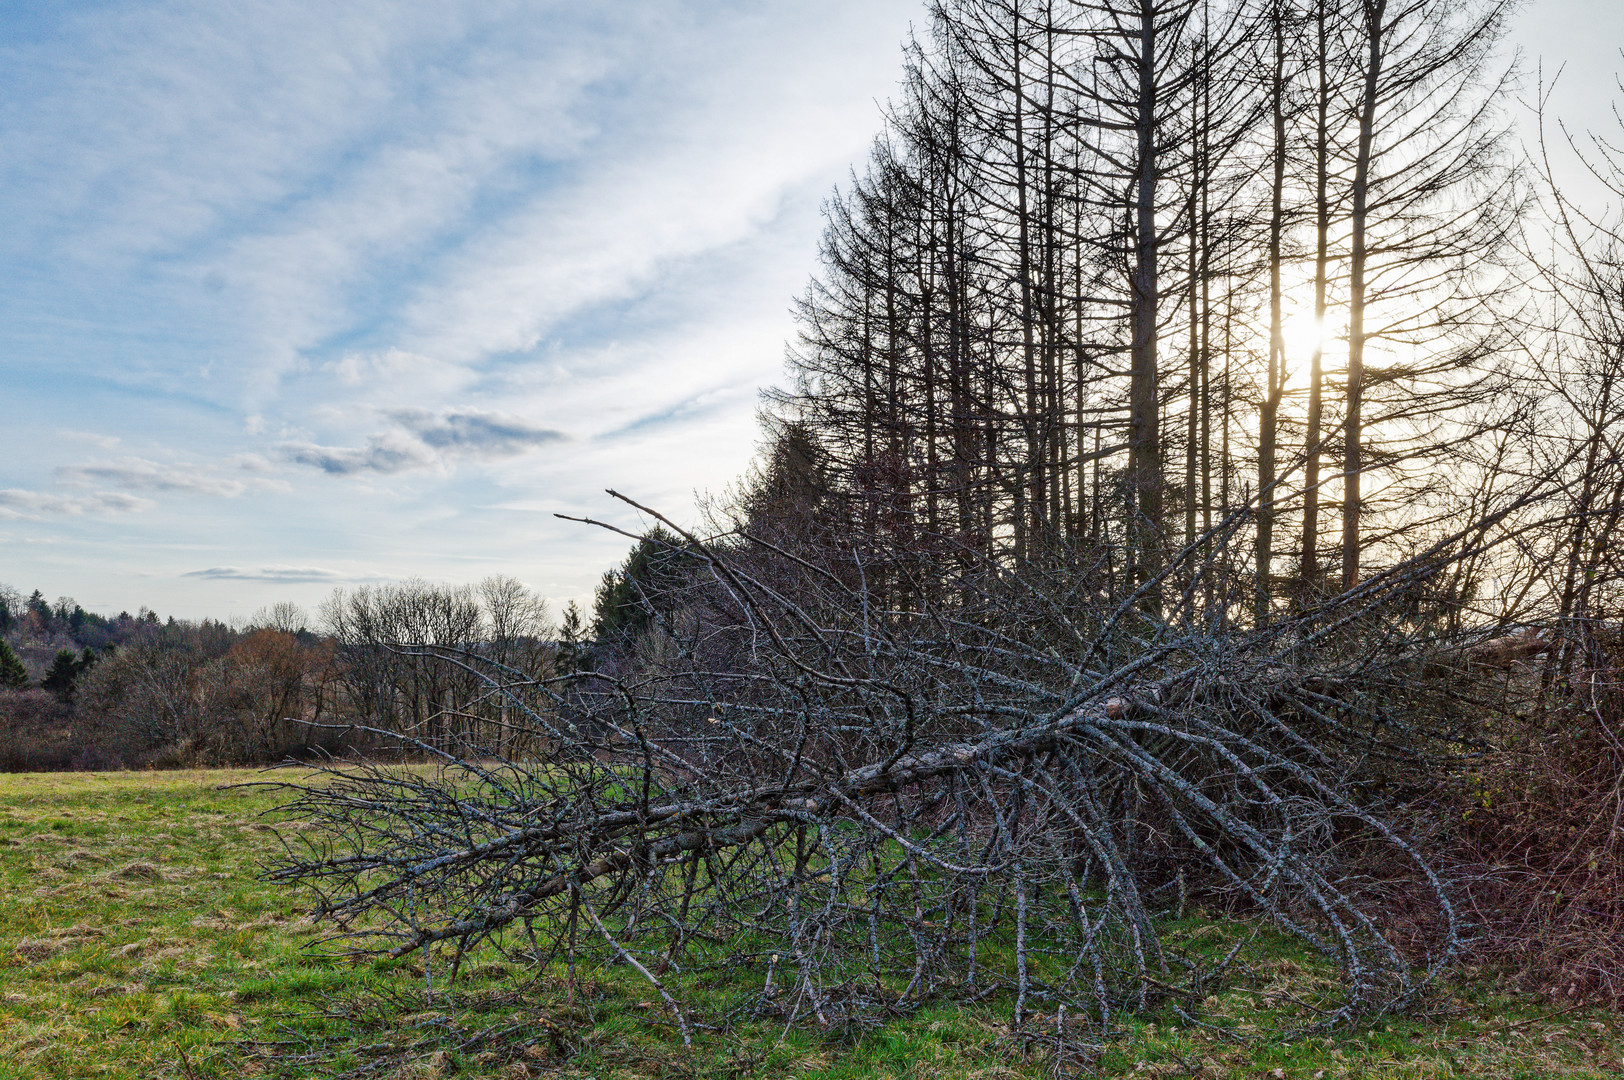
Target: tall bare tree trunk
1316, 374
1352, 432
1192, 446
1144, 418
1268, 413
1029, 481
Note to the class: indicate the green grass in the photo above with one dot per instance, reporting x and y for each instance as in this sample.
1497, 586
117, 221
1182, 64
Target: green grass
136, 941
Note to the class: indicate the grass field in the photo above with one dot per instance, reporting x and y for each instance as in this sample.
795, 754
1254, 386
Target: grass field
137, 941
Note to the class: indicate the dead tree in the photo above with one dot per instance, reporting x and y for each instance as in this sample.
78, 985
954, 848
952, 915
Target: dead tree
1011, 788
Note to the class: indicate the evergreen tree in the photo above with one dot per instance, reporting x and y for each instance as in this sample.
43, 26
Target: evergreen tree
13, 676
627, 597
65, 671
788, 491
572, 655
11, 606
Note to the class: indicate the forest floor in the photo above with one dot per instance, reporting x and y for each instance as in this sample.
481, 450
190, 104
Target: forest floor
137, 940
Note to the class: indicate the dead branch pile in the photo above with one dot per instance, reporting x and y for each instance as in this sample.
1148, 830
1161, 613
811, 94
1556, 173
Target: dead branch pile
1008, 784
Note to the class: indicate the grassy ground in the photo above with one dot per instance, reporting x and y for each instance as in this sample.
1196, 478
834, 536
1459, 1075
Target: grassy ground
136, 941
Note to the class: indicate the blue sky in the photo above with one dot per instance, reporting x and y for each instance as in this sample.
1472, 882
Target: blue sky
297, 294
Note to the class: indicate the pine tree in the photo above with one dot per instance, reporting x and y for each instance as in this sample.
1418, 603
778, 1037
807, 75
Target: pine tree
626, 598
65, 670
572, 645
13, 676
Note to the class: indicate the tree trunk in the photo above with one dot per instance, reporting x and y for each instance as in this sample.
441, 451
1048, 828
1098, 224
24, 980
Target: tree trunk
1144, 420
1352, 432
1316, 375
1269, 412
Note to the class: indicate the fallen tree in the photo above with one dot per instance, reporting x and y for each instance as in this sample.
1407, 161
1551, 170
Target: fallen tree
1011, 783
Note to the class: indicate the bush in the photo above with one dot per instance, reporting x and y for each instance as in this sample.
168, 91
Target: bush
38, 734
1543, 851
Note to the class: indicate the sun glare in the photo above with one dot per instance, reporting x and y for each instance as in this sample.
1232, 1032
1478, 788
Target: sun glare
1302, 333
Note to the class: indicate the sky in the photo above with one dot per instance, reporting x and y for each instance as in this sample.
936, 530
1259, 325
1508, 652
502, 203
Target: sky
297, 295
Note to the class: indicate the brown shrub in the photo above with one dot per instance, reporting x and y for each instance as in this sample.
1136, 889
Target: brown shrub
37, 732
1539, 835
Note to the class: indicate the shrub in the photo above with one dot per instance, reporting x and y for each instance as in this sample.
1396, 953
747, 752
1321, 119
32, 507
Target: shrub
37, 732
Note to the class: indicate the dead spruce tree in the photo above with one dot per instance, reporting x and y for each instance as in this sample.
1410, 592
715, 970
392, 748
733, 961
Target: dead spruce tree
852, 807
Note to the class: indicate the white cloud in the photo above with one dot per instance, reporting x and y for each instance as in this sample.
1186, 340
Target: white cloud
18, 504
386, 365
279, 574
94, 438
424, 439
139, 474
174, 118
712, 174
411, 240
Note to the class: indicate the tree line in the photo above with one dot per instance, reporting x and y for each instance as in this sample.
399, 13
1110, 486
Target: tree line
81, 690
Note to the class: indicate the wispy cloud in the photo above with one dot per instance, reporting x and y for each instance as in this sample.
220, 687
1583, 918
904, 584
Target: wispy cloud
448, 255
695, 407
424, 440
139, 474
382, 367
18, 504
387, 453
476, 434
257, 464
94, 438
293, 575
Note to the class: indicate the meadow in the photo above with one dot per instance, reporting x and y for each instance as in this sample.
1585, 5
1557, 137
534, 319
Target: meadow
138, 940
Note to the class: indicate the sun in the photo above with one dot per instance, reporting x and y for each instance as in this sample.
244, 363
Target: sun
1301, 334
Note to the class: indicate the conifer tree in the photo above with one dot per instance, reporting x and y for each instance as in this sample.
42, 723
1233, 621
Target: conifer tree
13, 676
65, 670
